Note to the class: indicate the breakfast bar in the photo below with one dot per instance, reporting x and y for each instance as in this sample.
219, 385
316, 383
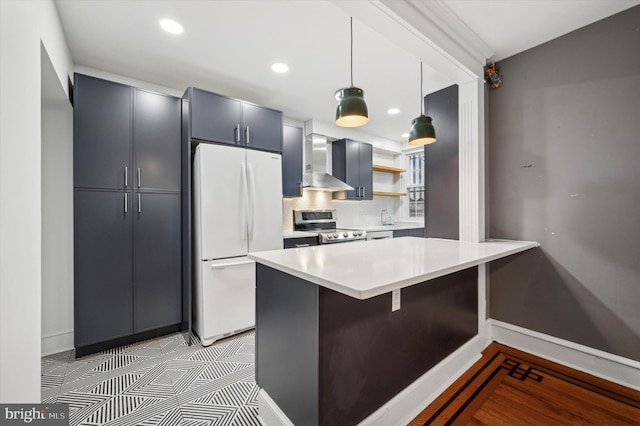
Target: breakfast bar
342, 329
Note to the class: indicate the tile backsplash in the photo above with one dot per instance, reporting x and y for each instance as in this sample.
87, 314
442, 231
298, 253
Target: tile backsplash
310, 200
351, 214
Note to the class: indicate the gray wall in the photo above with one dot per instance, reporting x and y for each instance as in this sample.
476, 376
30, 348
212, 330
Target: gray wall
564, 154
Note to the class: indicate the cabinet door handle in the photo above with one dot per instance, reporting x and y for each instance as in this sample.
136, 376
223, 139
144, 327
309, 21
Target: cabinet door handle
302, 245
139, 205
300, 188
246, 134
236, 133
139, 177
364, 192
126, 176
126, 202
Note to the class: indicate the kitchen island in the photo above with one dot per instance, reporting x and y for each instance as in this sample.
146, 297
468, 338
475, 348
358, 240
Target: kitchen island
342, 329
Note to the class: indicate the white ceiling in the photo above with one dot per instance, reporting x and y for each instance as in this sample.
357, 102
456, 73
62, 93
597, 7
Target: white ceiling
228, 47
513, 26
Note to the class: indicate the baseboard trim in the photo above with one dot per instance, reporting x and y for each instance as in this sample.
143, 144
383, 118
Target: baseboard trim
86, 349
56, 343
406, 405
269, 414
617, 369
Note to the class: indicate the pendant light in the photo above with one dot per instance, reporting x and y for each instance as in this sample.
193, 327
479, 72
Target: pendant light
422, 131
352, 109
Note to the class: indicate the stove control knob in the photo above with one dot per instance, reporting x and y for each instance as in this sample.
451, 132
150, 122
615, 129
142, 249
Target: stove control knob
356, 233
345, 234
330, 236
335, 235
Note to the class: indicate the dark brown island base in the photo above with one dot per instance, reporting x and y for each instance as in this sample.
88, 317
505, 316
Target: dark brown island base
341, 330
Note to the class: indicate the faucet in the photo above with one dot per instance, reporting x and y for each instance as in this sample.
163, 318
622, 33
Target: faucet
384, 215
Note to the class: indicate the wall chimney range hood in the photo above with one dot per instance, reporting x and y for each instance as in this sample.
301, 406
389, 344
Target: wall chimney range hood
315, 167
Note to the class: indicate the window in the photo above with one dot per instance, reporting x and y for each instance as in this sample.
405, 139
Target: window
415, 184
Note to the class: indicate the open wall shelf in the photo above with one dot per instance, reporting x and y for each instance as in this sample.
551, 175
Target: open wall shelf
387, 169
389, 194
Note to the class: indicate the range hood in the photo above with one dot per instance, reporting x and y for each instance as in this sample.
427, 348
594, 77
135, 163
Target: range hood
315, 167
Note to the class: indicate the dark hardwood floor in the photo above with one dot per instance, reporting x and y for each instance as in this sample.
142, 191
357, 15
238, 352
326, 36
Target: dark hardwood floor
510, 387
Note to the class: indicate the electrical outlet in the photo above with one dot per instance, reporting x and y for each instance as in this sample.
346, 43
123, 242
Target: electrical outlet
395, 300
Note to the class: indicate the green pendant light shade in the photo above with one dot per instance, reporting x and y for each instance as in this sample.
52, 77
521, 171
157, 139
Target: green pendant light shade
352, 110
422, 131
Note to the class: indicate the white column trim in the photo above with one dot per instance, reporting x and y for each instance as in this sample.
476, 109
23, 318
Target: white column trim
471, 179
471, 160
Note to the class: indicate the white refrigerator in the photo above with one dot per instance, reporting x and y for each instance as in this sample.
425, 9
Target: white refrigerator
237, 195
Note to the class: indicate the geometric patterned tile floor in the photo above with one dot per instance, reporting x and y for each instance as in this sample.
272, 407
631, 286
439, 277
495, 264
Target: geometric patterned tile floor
158, 382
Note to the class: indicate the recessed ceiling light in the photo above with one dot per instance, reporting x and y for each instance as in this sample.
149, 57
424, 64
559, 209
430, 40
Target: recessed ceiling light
405, 135
393, 111
171, 26
279, 67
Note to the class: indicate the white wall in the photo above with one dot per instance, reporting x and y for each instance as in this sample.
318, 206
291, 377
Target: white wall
24, 25
57, 213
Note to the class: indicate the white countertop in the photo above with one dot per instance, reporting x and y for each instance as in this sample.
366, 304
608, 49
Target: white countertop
298, 234
364, 269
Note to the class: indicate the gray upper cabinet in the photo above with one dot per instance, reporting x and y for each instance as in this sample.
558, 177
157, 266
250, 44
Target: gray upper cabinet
220, 119
158, 264
156, 128
102, 134
365, 164
292, 146
103, 266
214, 117
353, 164
262, 127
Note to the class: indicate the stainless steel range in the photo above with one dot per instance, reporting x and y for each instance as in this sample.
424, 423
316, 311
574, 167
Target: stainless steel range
324, 222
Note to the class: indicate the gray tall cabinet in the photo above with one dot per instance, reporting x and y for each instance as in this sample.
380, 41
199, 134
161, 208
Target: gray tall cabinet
127, 214
442, 182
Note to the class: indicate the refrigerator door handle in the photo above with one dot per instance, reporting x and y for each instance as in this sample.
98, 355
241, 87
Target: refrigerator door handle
245, 200
229, 265
252, 201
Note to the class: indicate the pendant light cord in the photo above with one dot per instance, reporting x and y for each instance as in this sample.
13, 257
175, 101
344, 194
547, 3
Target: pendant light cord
421, 96
351, 51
